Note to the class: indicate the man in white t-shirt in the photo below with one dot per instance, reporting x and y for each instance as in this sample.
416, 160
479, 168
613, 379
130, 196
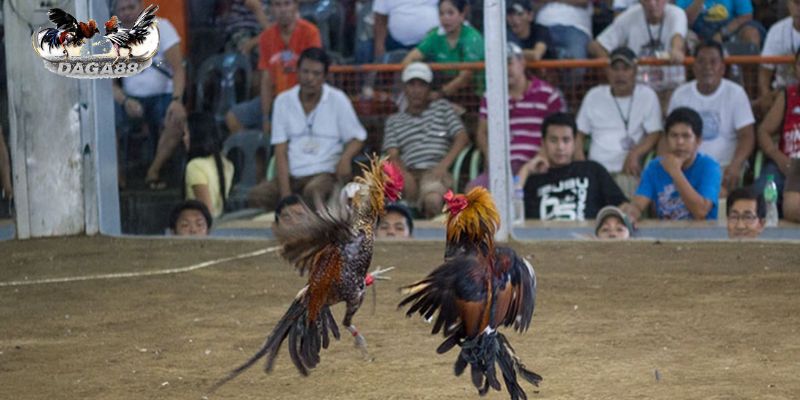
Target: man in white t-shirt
154, 96
728, 134
316, 134
622, 120
401, 24
652, 28
783, 39
569, 23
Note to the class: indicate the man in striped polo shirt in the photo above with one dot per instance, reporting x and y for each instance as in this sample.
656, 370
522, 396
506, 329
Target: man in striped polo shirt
530, 100
424, 140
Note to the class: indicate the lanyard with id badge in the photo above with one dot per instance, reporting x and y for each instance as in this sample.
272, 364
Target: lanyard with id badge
310, 143
627, 142
650, 74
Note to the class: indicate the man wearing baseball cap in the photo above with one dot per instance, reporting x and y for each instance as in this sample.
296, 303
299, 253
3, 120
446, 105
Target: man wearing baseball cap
424, 140
622, 121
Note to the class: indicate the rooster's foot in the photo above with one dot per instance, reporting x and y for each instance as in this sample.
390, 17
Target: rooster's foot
360, 342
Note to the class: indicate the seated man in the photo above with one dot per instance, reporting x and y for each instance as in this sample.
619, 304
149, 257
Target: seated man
683, 184
530, 100
622, 120
781, 40
524, 31
791, 193
723, 20
315, 132
568, 190
396, 224
190, 218
728, 134
613, 223
746, 214
424, 140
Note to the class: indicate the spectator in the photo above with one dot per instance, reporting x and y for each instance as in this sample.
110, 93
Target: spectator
530, 100
783, 118
209, 174
728, 134
791, 193
190, 218
396, 224
569, 23
455, 41
782, 40
746, 214
613, 223
723, 20
683, 184
6, 189
621, 5
154, 96
241, 22
622, 120
402, 24
524, 31
315, 132
290, 211
424, 140
652, 28
567, 190
364, 38
280, 47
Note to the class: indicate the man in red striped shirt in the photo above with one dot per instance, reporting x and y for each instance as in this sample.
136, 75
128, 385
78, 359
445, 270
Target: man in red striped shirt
530, 100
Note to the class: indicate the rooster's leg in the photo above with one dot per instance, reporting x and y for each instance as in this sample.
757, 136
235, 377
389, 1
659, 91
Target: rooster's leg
360, 341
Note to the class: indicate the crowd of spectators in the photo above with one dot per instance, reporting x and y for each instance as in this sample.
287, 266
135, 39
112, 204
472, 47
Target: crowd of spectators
615, 152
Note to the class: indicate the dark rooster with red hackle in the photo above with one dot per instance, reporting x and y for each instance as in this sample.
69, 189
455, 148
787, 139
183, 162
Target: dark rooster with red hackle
124, 38
479, 288
69, 32
335, 248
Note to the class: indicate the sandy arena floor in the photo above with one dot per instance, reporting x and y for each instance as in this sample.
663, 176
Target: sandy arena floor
715, 320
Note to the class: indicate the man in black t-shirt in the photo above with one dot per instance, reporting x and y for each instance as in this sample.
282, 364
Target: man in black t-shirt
522, 30
559, 188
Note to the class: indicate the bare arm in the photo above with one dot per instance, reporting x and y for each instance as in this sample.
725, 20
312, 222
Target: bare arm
697, 204
640, 204
460, 140
413, 55
633, 165
282, 168
344, 169
394, 156
266, 99
677, 50
202, 194
255, 7
596, 50
580, 144
745, 143
482, 139
770, 125
457, 83
536, 53
764, 81
737, 22
694, 10
176, 112
380, 33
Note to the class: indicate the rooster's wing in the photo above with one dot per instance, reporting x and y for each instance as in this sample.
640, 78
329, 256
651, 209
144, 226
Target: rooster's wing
515, 290
63, 20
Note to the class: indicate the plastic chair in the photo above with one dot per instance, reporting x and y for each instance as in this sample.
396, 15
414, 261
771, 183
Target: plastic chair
758, 164
224, 67
242, 149
457, 164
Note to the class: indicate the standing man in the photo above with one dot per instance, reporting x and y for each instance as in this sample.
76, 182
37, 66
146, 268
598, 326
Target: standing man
316, 134
279, 49
154, 96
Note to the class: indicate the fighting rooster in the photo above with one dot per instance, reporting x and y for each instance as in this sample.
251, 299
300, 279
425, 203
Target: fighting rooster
478, 288
336, 250
125, 38
68, 32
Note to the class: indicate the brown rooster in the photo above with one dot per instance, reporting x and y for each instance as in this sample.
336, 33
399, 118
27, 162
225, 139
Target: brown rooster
479, 288
125, 38
69, 31
336, 250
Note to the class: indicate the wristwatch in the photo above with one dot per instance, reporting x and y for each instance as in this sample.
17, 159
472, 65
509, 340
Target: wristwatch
179, 98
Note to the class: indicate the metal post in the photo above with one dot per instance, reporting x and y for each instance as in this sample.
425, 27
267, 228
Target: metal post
494, 26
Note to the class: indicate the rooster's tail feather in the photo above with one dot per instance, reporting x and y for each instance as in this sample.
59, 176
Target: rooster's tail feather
305, 340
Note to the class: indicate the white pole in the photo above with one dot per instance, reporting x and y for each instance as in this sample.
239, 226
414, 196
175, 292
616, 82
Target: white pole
494, 28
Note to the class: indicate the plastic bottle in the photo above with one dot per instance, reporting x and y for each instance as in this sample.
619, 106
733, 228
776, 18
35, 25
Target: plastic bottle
771, 198
518, 203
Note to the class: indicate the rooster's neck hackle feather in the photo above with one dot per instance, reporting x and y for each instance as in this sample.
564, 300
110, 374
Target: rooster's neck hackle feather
477, 222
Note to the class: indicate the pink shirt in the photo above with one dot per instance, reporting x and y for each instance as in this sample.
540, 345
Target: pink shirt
526, 116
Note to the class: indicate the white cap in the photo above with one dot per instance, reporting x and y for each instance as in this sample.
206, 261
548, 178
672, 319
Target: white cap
417, 70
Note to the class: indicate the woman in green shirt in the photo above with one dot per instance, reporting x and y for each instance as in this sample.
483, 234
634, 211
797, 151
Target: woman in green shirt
455, 40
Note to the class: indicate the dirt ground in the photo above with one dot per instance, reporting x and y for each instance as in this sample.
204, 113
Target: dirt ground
634, 320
